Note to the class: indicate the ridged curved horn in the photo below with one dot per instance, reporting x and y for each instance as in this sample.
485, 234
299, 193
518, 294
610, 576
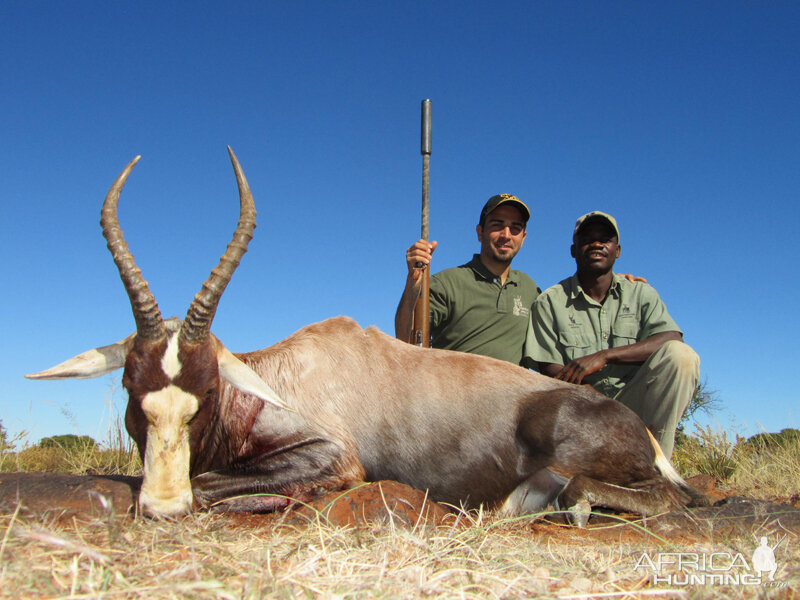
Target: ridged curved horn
197, 324
149, 323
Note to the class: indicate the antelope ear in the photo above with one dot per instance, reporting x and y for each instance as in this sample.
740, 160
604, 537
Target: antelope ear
92, 363
244, 379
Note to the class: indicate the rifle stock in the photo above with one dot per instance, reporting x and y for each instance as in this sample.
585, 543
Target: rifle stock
421, 326
421, 323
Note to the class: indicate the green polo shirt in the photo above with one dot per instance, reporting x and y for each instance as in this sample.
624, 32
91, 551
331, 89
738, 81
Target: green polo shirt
567, 324
472, 312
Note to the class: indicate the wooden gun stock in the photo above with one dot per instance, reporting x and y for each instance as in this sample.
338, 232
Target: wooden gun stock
421, 323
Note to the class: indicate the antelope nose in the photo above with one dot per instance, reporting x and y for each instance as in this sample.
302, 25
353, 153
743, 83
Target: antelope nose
165, 507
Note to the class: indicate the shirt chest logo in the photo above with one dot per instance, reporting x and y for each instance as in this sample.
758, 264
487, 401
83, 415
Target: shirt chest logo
520, 310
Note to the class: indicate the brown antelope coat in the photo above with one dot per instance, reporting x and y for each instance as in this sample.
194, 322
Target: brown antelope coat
335, 404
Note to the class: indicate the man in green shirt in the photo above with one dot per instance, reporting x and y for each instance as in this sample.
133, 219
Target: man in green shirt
600, 329
482, 306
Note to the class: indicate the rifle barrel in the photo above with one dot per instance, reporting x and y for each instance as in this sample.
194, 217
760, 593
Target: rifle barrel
421, 329
425, 150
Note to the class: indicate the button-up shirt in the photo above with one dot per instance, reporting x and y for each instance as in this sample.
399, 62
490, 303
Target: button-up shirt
566, 324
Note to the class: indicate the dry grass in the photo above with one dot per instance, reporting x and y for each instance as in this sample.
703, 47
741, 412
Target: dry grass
219, 556
59, 460
769, 471
214, 556
117, 456
750, 468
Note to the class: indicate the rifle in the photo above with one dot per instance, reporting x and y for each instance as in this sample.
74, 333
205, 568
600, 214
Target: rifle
421, 322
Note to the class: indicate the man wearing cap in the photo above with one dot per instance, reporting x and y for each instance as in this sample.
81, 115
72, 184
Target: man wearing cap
482, 306
598, 328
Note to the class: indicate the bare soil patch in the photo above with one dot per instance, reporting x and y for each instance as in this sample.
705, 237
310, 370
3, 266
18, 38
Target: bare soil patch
389, 502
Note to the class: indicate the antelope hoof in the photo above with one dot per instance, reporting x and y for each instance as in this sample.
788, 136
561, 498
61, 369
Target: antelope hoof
578, 513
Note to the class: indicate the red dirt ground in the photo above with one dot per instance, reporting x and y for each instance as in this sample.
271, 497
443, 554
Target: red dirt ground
87, 496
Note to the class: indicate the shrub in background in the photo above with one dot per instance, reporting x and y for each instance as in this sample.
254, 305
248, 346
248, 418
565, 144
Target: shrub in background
69, 442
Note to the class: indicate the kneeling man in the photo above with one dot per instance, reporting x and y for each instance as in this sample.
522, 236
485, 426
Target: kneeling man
600, 329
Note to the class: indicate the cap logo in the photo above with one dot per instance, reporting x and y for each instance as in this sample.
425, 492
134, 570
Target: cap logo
495, 201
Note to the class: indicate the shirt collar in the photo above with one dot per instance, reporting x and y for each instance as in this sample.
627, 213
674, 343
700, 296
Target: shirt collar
482, 271
576, 291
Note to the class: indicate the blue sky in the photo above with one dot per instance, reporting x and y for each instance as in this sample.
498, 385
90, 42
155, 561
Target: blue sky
681, 119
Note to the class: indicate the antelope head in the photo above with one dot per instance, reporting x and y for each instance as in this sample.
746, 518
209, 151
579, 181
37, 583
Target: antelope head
172, 368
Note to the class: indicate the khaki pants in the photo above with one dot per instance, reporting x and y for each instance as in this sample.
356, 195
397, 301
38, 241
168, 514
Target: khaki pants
662, 389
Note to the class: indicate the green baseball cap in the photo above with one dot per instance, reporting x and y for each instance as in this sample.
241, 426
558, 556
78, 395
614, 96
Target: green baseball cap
499, 199
595, 215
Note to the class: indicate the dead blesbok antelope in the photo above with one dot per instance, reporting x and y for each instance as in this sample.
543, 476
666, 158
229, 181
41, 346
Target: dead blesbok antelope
335, 404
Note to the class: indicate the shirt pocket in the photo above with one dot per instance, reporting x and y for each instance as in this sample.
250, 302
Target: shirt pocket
575, 344
624, 334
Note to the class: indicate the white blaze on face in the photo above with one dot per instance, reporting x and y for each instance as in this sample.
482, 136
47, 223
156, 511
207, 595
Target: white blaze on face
167, 489
170, 361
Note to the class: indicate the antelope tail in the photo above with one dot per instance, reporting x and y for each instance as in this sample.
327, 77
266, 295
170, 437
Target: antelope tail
666, 469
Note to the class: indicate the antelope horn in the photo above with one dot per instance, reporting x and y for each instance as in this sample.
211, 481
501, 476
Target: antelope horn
197, 324
149, 323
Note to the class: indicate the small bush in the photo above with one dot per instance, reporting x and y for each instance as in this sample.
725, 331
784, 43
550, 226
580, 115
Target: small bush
765, 441
68, 442
708, 452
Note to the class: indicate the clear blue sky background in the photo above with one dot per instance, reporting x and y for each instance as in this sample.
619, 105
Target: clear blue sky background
679, 118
